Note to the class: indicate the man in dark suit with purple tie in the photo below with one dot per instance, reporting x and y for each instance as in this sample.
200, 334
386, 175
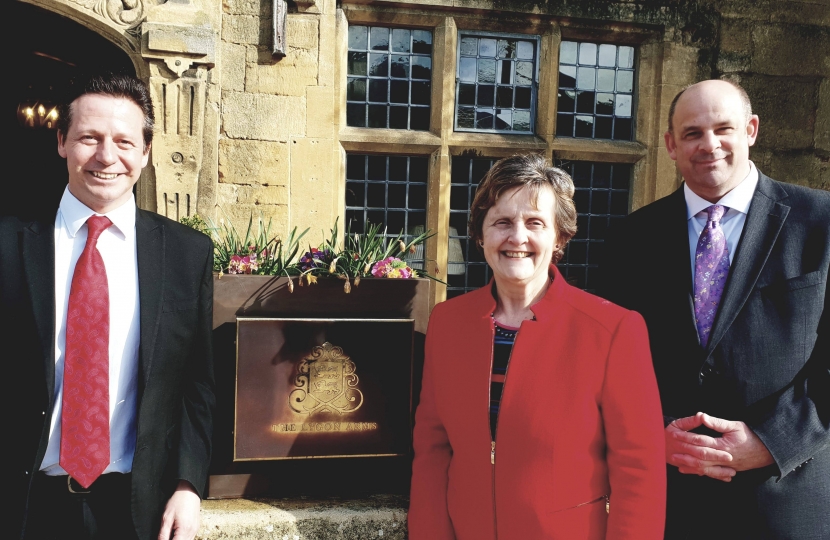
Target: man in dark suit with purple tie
730, 274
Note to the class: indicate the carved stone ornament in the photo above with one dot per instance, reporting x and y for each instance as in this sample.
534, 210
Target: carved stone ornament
326, 381
127, 13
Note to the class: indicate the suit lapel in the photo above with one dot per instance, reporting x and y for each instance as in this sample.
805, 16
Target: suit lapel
677, 253
150, 243
763, 223
38, 243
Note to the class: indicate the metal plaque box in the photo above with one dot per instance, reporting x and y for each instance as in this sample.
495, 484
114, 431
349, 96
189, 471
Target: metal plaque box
311, 388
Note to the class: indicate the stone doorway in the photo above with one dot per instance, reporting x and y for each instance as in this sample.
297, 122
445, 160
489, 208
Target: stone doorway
40, 63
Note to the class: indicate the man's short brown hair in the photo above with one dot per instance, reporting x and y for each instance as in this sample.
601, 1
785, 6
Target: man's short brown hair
115, 85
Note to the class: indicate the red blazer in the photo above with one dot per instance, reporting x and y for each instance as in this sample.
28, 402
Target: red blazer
580, 419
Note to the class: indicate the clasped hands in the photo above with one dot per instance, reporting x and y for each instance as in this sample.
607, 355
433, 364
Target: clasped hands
738, 448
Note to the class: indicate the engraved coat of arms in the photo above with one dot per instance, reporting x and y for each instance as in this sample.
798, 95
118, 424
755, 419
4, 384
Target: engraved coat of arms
326, 381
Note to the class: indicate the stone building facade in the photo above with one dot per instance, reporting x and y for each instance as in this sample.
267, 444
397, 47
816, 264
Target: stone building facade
287, 135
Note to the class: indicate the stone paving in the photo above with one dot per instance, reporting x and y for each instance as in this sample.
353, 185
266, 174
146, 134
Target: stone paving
380, 516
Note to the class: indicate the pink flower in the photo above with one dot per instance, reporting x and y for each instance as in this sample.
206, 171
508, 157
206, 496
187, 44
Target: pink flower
392, 267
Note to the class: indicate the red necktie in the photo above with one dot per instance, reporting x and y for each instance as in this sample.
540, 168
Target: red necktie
85, 429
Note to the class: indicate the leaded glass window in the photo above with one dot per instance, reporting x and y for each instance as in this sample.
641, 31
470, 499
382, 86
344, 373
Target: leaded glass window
496, 82
596, 91
389, 77
466, 268
389, 191
601, 198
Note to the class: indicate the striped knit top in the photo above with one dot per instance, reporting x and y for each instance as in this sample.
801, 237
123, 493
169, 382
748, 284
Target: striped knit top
502, 346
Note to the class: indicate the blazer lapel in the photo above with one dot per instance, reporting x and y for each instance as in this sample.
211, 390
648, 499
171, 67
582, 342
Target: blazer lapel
676, 251
763, 223
150, 242
38, 243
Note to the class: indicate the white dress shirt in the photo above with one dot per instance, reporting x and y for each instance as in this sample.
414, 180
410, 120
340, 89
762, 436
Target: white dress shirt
732, 222
117, 246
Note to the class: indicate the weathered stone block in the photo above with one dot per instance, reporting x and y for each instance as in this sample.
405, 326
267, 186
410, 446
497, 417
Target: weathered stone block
328, 49
321, 122
789, 49
735, 35
680, 64
288, 77
248, 7
314, 185
226, 195
239, 215
233, 66
244, 29
262, 116
822, 130
732, 62
802, 168
811, 12
253, 162
302, 33
787, 109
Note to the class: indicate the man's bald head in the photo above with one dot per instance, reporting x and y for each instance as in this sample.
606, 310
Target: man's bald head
747, 106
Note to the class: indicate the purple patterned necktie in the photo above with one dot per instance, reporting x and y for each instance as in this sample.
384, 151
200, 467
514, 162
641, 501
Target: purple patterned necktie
711, 270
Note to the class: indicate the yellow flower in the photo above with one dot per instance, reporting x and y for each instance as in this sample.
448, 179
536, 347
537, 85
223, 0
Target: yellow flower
347, 287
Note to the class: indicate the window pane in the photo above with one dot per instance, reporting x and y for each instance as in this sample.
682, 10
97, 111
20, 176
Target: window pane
358, 36
466, 269
401, 40
567, 52
379, 39
496, 71
421, 67
395, 194
370, 74
422, 42
487, 47
605, 77
378, 90
588, 54
596, 201
379, 65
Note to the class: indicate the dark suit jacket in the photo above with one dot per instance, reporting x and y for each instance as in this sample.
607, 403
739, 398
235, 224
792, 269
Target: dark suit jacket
767, 362
175, 393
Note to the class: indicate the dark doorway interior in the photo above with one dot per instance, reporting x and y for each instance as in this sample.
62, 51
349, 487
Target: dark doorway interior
46, 53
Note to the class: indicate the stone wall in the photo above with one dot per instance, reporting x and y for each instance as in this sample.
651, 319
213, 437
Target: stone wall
780, 52
277, 151
272, 129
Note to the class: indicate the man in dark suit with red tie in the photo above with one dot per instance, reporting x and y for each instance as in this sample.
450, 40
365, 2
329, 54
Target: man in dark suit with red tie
730, 274
109, 311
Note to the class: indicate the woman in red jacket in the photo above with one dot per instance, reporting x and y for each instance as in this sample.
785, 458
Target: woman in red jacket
574, 426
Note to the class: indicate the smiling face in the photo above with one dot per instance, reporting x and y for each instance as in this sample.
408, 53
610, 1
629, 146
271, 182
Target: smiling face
711, 137
104, 150
520, 237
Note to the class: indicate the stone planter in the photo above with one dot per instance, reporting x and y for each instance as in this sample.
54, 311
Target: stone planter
245, 296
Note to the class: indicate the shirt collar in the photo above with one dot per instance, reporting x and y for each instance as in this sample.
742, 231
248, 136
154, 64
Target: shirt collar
738, 199
75, 214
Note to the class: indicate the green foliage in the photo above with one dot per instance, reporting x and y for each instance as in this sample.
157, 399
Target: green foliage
359, 252
196, 222
259, 253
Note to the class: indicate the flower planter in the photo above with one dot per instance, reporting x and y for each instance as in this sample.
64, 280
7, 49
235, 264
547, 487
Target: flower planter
381, 323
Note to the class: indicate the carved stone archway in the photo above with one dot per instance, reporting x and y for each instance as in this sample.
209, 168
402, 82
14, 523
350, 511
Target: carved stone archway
172, 45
